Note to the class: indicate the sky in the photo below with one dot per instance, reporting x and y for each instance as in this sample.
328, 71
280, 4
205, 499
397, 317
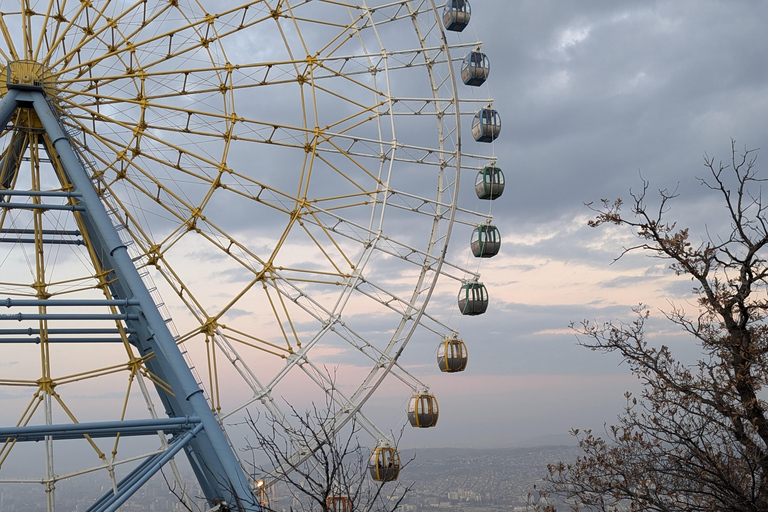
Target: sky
594, 96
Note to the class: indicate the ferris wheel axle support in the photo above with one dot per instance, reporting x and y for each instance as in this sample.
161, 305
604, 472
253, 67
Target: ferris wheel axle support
110, 502
210, 454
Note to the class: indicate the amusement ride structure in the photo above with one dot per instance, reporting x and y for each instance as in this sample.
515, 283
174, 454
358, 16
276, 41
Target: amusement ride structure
201, 212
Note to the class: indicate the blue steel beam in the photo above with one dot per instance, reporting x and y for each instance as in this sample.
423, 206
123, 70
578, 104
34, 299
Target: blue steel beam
212, 457
100, 429
9, 164
20, 317
30, 331
8, 107
58, 232
111, 501
40, 193
61, 340
9, 302
34, 206
45, 241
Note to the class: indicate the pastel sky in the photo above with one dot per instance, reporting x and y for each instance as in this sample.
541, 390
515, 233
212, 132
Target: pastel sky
593, 96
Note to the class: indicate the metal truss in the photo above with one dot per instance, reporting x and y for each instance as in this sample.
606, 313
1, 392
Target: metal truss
191, 423
206, 215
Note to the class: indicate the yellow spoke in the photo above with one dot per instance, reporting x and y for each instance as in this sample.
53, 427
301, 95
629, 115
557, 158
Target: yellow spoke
312, 281
72, 417
65, 59
96, 372
262, 349
60, 19
26, 416
58, 40
8, 40
313, 271
124, 409
275, 313
41, 37
320, 247
18, 382
253, 338
157, 381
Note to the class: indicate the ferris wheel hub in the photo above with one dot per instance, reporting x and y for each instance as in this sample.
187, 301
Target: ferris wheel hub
27, 75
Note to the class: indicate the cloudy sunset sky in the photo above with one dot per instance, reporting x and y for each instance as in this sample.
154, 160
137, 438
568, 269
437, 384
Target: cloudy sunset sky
594, 95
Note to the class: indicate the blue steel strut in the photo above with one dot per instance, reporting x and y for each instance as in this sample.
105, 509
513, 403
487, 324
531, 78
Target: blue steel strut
196, 428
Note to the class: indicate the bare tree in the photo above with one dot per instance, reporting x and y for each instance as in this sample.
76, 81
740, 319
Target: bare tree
334, 473
697, 436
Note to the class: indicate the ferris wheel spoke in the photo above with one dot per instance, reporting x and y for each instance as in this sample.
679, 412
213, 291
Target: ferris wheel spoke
420, 154
424, 204
398, 11
346, 408
335, 40
180, 214
129, 221
58, 40
58, 18
26, 29
243, 76
142, 128
406, 308
254, 342
261, 393
26, 416
172, 204
38, 46
194, 81
388, 245
122, 161
8, 40
161, 44
375, 354
295, 136
93, 33
182, 207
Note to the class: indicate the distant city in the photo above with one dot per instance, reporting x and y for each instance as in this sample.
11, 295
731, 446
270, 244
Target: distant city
471, 480
444, 479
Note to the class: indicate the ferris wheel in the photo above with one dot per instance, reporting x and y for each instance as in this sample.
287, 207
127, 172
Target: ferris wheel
202, 212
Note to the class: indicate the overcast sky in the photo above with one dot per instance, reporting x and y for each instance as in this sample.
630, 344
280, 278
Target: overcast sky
593, 95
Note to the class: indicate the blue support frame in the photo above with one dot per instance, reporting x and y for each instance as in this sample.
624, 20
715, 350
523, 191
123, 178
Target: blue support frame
110, 501
216, 467
100, 429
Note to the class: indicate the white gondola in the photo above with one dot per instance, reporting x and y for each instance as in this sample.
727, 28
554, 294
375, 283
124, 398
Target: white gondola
475, 68
473, 299
486, 126
456, 14
489, 183
486, 241
423, 411
452, 355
